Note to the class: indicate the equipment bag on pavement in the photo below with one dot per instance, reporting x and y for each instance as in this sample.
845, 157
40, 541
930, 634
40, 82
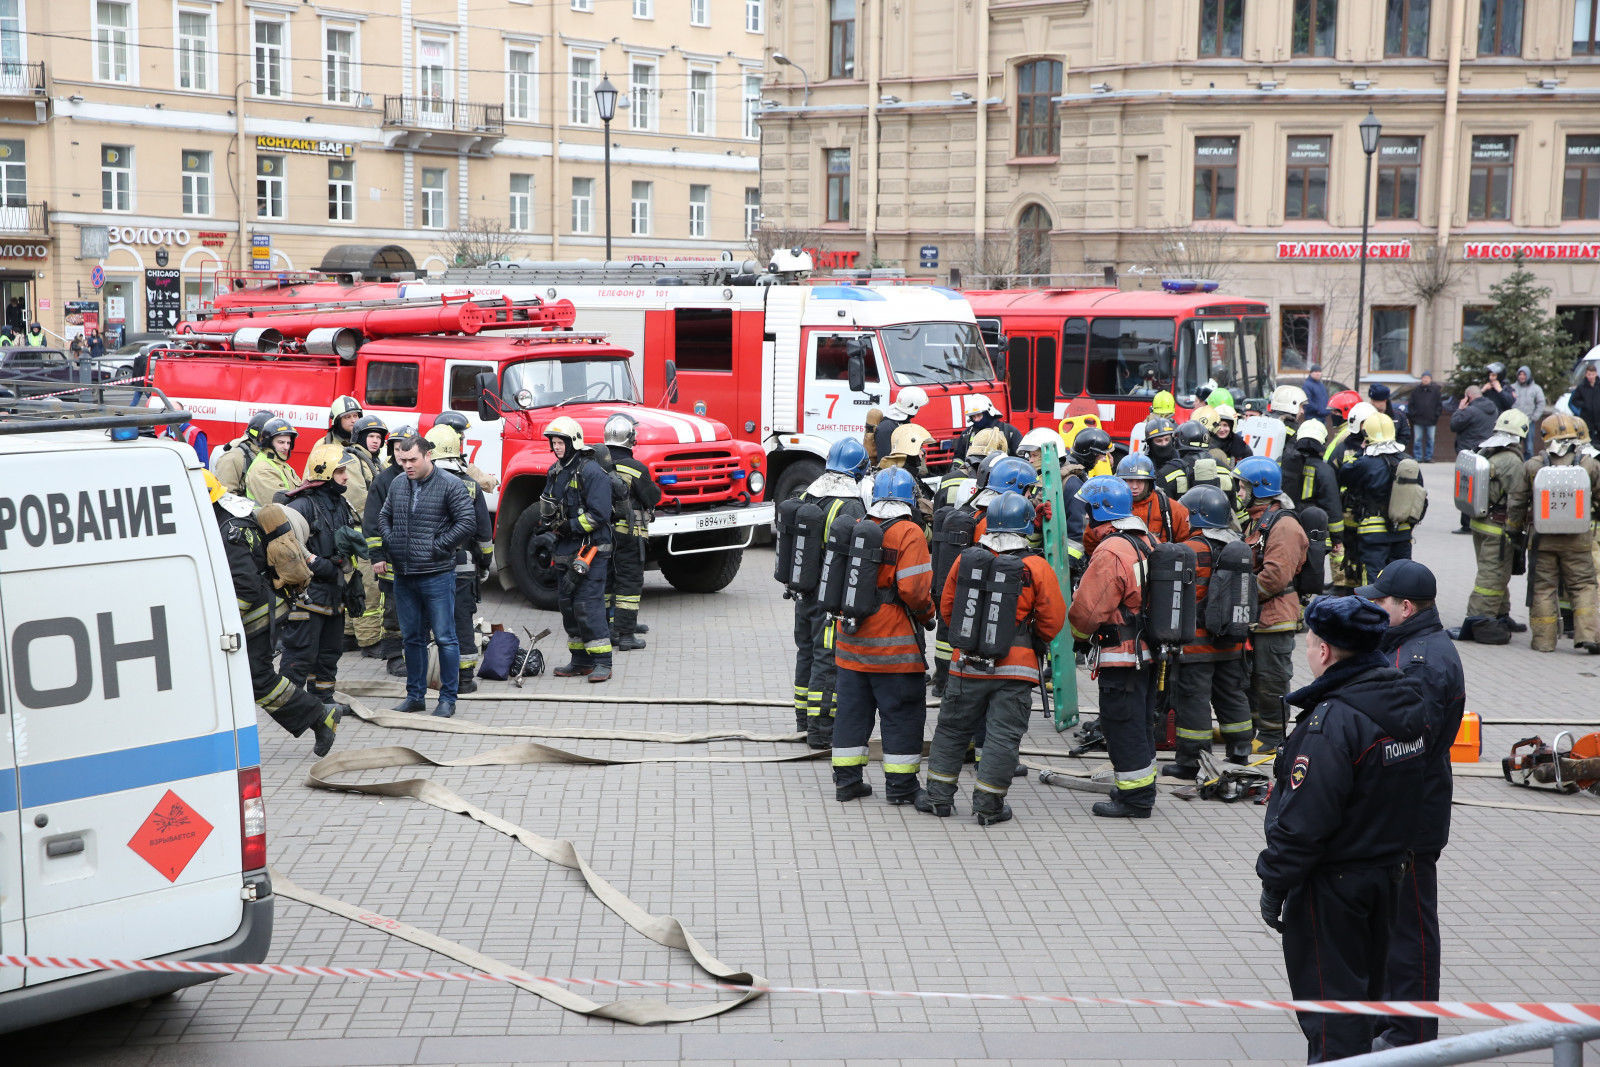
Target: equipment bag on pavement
1169, 594
1408, 499
1561, 500
498, 656
1473, 475
1232, 601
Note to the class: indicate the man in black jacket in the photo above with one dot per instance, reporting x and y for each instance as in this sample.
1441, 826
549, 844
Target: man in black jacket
1418, 647
1342, 815
423, 519
1424, 406
1585, 401
313, 638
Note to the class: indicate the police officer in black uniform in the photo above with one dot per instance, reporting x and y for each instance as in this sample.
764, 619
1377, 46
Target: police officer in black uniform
630, 531
576, 506
1347, 789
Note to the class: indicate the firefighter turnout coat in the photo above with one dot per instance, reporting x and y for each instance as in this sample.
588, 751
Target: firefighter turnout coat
1110, 596
889, 640
1041, 612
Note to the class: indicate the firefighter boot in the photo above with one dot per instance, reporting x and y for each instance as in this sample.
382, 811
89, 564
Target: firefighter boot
397, 666
626, 642
323, 730
848, 785
577, 666
466, 682
929, 804
1116, 809
989, 808
1185, 762
602, 669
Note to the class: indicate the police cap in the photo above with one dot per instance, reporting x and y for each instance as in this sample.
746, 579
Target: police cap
1352, 623
1403, 579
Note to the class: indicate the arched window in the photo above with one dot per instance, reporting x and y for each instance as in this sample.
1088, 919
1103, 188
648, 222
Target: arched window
1033, 240
1038, 127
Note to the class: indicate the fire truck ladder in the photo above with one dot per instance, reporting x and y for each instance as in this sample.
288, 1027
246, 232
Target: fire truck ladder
681, 272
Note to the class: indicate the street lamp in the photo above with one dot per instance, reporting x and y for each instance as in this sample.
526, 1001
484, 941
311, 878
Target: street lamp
1371, 128
784, 61
605, 101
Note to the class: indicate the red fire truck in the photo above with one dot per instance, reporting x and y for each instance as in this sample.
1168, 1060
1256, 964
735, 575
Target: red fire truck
511, 366
1116, 349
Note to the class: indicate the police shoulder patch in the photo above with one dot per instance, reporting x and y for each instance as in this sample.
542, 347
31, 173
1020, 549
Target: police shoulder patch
1297, 774
1400, 751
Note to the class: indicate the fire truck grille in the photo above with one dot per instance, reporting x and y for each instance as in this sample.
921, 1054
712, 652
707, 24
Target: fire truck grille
691, 476
937, 459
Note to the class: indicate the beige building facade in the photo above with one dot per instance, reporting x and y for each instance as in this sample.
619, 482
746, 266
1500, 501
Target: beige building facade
193, 136
1215, 138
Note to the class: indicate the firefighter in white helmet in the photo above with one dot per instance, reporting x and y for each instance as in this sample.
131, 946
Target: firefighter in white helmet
912, 399
575, 509
630, 533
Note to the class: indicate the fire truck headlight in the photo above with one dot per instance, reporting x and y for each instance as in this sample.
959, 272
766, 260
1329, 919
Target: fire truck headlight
757, 483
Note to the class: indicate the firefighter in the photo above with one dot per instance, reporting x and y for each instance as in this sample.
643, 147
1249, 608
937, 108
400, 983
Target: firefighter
1211, 670
459, 423
1561, 562
1368, 484
472, 558
1162, 404
576, 508
1164, 518
972, 509
1286, 405
1106, 609
234, 458
995, 696
392, 647
1162, 448
1089, 451
245, 544
1196, 465
1032, 447
313, 637
1309, 480
343, 414
984, 443
363, 460
1342, 814
1378, 396
881, 661
630, 531
905, 452
1343, 450
912, 399
981, 415
1278, 543
1498, 544
1230, 443
269, 473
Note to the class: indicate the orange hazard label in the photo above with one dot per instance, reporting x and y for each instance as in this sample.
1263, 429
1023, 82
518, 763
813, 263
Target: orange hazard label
170, 837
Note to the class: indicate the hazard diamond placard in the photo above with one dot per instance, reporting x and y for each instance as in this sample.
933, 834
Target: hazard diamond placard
170, 837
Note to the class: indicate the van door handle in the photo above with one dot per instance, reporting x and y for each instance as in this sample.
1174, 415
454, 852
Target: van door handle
64, 846
813, 411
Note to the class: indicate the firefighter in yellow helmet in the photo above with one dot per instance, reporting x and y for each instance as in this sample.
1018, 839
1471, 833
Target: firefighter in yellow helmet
963, 472
313, 637
1369, 483
472, 558
1560, 560
575, 511
905, 451
1499, 544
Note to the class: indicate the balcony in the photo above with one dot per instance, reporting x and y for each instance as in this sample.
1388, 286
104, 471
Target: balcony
25, 220
431, 124
21, 79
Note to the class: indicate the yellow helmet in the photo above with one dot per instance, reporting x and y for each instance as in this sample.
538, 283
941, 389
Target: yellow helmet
1378, 428
323, 461
1559, 427
1206, 416
909, 440
1073, 423
213, 487
986, 441
1163, 404
566, 426
445, 441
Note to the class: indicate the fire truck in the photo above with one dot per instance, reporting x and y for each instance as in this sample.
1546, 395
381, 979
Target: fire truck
1112, 350
510, 365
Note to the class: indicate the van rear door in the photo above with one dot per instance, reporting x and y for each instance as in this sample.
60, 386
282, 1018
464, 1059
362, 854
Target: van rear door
126, 746
11, 932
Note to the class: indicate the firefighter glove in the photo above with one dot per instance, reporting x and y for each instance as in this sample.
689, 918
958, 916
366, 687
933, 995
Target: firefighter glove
1272, 907
350, 543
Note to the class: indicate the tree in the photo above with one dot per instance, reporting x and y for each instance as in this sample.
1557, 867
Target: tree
1189, 252
477, 241
1517, 330
767, 238
990, 263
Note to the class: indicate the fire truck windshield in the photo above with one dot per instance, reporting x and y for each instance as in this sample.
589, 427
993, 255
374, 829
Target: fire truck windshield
552, 383
1231, 353
936, 352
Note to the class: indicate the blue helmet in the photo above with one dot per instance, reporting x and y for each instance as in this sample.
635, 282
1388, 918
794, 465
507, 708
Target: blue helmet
895, 483
1136, 465
1107, 497
1012, 475
1208, 507
1262, 475
1012, 513
848, 456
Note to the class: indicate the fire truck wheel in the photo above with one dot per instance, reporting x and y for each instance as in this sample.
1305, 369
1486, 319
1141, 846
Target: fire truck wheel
535, 582
794, 479
703, 572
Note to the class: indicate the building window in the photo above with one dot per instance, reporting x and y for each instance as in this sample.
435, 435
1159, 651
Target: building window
1399, 177
1313, 27
341, 190
116, 177
1216, 177
699, 12
1405, 28
1580, 190
755, 16
269, 187
1221, 28
1500, 28
752, 211
14, 174
270, 57
1473, 327
580, 90
1489, 187
1306, 194
1033, 240
639, 208
644, 9
522, 201
519, 83
1586, 28
1299, 337
1391, 340
196, 183
339, 64
194, 50
583, 5
752, 106
433, 198
583, 205
12, 48
435, 57
699, 208
642, 94
112, 43
838, 164
841, 38
1038, 127
700, 98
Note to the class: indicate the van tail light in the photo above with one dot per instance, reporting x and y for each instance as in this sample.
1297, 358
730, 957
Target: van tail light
252, 821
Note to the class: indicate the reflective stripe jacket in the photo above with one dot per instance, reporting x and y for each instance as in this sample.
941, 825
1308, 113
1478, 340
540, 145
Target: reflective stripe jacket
1310, 481
362, 467
582, 488
1202, 650
1509, 491
1111, 593
886, 641
230, 464
268, 476
1041, 612
1147, 511
1277, 563
1562, 542
1367, 483
643, 494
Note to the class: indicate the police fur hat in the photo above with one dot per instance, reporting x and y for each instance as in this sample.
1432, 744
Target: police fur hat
1352, 623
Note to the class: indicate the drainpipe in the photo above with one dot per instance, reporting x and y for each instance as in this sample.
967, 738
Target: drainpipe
241, 48
869, 55
557, 101
1452, 97
980, 202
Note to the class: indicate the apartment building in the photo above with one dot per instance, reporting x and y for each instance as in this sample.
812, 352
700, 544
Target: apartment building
1211, 137
192, 136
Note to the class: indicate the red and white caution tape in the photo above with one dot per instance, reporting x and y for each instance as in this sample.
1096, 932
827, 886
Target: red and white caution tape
1496, 1011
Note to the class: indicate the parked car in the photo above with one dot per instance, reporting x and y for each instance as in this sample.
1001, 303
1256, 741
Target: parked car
22, 363
119, 363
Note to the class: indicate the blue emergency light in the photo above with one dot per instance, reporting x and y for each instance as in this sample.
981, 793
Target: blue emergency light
668, 479
125, 433
1188, 285
738, 475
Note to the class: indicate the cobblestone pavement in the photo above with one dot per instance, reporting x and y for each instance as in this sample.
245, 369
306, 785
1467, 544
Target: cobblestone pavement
772, 874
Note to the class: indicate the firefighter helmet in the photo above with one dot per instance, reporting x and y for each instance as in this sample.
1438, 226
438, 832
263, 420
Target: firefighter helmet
896, 484
979, 406
1343, 401
1220, 398
368, 424
1191, 434
453, 419
1262, 475
1107, 498
909, 440
567, 428
621, 431
1090, 446
1013, 475
324, 460
986, 467
987, 440
1206, 416
214, 488
342, 406
1378, 428
1136, 465
257, 421
1226, 413
399, 434
445, 441
1513, 423
912, 399
1034, 441
1159, 426
848, 456
276, 427
1163, 404
1012, 514
1559, 427
1358, 416
1287, 400
1313, 430
1208, 507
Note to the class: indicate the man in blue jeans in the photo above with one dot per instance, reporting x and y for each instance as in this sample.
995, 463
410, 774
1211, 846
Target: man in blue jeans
426, 515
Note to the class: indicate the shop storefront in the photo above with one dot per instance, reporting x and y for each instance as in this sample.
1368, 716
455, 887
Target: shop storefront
155, 276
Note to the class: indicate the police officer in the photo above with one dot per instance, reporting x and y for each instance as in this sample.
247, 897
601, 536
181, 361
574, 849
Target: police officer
994, 697
1211, 671
1278, 543
363, 459
314, 635
230, 462
1561, 561
880, 661
1368, 483
392, 647
1417, 645
576, 507
981, 415
343, 414
472, 558
630, 531
245, 543
269, 473
1164, 518
912, 399
1499, 545
1348, 786
1106, 609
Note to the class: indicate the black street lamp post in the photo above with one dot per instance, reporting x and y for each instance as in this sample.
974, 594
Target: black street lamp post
1371, 128
605, 99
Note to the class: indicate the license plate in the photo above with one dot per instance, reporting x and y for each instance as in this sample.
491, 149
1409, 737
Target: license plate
714, 522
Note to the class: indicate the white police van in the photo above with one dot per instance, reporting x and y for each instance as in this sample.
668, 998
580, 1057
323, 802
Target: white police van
131, 819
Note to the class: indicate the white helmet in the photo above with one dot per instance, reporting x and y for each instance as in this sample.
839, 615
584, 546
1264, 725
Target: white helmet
912, 399
1287, 399
1033, 441
978, 406
1358, 415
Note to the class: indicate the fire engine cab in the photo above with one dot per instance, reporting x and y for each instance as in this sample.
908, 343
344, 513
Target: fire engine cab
510, 366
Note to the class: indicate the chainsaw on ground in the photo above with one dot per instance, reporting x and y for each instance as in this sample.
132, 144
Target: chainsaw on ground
1534, 764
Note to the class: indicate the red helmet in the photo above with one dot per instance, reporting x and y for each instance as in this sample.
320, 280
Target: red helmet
1343, 401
